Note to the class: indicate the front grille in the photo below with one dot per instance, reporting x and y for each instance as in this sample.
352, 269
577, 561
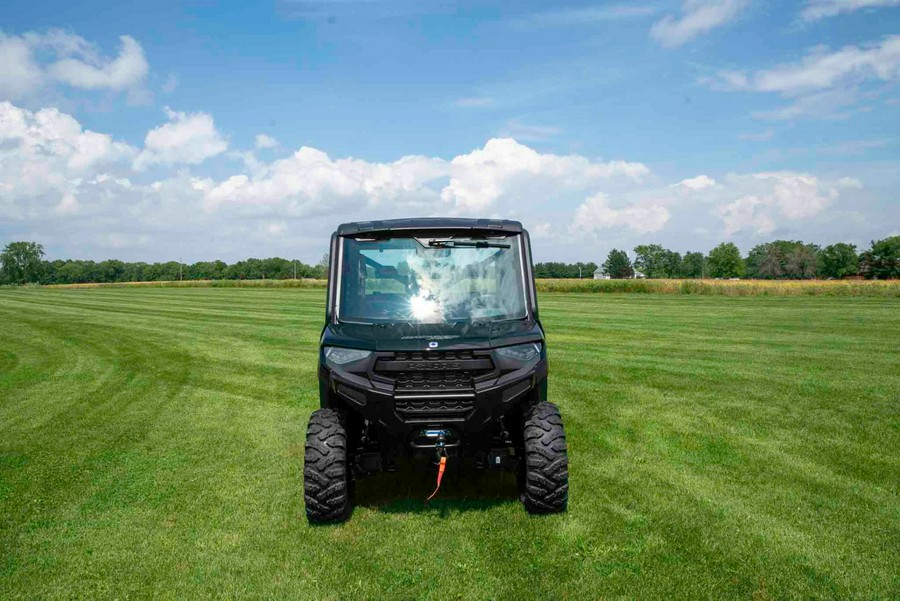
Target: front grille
436, 381
433, 405
435, 372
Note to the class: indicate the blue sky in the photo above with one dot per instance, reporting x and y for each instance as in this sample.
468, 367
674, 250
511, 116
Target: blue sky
233, 130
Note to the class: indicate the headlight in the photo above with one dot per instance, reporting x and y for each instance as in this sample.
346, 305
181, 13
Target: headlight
340, 356
520, 352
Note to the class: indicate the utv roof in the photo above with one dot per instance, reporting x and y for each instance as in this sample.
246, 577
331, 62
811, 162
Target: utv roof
428, 223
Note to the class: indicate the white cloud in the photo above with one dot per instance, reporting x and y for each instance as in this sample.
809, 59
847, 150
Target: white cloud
836, 104
310, 181
596, 214
506, 167
67, 205
256, 167
819, 9
276, 228
91, 73
821, 69
79, 193
19, 74
265, 141
475, 182
700, 182
824, 82
748, 212
767, 199
34, 60
188, 138
45, 154
850, 183
797, 195
46, 149
698, 17
542, 230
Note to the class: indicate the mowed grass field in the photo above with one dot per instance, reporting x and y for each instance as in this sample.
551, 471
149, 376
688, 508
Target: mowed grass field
151, 444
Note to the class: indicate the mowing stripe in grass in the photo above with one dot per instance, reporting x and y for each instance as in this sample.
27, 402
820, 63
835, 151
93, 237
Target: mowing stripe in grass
151, 445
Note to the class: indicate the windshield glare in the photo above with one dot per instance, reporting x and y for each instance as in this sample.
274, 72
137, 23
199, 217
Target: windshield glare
431, 279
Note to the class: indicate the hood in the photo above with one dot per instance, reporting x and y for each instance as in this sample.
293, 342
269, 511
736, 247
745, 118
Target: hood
421, 337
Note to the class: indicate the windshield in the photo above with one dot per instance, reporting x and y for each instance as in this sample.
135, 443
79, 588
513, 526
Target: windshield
431, 279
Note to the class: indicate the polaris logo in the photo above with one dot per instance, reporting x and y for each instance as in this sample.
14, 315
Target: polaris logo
432, 344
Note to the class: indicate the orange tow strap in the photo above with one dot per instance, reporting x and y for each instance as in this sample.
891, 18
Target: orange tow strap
441, 468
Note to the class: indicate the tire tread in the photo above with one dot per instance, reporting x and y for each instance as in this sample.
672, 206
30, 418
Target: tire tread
546, 477
325, 482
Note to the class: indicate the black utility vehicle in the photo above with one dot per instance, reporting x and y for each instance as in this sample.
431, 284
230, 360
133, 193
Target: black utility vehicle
432, 347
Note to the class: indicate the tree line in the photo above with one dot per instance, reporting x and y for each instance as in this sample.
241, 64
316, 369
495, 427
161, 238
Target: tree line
564, 270
780, 259
23, 262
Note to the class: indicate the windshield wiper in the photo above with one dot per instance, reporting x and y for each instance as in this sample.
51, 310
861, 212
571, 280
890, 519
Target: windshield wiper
436, 243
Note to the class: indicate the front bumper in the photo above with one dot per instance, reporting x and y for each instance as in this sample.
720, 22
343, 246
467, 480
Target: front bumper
467, 412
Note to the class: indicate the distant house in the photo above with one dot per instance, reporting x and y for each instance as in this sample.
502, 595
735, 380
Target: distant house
599, 274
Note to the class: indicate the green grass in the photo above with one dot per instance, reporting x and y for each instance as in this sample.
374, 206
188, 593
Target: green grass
151, 445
